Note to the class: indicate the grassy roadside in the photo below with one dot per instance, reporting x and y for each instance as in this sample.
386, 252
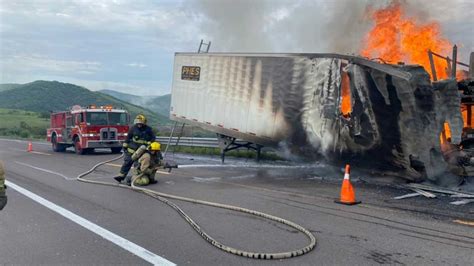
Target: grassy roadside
23, 124
216, 151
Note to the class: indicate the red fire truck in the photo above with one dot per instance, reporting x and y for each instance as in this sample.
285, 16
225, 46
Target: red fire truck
87, 128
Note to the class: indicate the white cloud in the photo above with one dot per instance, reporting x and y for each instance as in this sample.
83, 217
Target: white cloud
136, 39
96, 85
138, 65
104, 15
40, 63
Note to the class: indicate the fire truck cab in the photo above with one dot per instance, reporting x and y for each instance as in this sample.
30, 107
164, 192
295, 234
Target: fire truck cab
87, 128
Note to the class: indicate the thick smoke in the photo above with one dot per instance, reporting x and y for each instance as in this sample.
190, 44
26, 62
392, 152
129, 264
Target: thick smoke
317, 26
283, 26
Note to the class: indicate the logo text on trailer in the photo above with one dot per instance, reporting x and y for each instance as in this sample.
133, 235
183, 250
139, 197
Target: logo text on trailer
190, 73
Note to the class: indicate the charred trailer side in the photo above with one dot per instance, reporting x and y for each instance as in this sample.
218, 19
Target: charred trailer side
341, 107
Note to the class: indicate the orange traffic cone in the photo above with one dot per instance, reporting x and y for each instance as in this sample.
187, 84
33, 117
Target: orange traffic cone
30, 147
347, 191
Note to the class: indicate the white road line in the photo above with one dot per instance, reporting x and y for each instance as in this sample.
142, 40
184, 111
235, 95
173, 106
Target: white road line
46, 170
36, 152
26, 141
117, 240
42, 153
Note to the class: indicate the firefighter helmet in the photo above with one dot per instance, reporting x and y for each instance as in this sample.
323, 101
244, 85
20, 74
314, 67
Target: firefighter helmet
140, 119
155, 146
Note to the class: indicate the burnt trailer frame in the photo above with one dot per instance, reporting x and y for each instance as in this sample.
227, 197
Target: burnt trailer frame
296, 100
231, 139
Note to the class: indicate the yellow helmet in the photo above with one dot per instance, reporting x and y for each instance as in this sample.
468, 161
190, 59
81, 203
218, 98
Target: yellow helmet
155, 146
140, 119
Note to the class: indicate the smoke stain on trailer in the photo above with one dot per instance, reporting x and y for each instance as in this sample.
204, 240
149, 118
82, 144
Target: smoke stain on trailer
393, 125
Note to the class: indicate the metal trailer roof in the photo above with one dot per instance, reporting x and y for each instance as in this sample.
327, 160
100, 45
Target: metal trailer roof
388, 68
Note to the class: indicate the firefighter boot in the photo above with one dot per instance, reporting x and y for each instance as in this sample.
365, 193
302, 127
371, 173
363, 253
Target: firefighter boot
119, 178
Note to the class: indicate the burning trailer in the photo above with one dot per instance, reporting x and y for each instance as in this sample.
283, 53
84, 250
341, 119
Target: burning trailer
343, 108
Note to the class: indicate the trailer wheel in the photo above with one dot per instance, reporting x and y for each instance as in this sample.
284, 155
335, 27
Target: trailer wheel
57, 147
77, 147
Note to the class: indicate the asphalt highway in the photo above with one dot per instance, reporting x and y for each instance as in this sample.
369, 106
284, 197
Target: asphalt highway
53, 219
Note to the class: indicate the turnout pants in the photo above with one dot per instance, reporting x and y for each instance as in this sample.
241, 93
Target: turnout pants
127, 164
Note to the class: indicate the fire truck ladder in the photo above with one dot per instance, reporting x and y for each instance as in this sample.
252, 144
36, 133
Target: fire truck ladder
203, 48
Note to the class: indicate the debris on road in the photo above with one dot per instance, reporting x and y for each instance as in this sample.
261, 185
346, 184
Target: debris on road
462, 202
437, 189
410, 195
421, 189
424, 193
462, 195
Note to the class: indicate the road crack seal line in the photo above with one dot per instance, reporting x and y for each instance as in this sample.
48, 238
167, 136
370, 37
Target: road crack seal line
364, 215
436, 241
278, 200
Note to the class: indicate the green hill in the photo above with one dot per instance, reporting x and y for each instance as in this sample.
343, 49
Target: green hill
161, 105
133, 99
8, 86
157, 104
45, 96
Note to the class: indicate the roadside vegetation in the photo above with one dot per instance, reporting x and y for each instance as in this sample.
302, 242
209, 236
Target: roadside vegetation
23, 124
240, 153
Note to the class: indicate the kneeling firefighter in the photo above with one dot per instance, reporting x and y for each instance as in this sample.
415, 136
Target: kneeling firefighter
149, 159
3, 196
138, 135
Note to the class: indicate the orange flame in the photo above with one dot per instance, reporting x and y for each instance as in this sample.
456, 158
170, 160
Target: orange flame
396, 38
346, 105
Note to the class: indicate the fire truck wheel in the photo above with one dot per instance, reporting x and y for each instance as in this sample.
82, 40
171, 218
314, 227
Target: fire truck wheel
56, 146
77, 147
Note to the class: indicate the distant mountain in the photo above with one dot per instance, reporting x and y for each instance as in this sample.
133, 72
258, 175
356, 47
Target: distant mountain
157, 104
133, 99
8, 86
161, 104
44, 96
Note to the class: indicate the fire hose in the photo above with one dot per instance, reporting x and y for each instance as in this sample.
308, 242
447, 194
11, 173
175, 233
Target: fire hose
163, 198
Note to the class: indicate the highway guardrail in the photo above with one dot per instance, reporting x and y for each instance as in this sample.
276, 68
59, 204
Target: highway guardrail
190, 142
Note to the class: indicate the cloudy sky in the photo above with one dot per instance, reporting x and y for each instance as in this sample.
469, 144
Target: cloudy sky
129, 45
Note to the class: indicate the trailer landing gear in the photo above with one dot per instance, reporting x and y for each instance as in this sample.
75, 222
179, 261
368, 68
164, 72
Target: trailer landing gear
227, 143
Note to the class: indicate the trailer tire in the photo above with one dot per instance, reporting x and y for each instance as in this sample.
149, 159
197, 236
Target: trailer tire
57, 147
77, 147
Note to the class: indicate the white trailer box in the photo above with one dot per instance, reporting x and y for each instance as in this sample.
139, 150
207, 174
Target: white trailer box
394, 122
246, 96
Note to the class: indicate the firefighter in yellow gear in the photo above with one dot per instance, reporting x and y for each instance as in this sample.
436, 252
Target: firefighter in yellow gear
149, 161
3, 196
138, 135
